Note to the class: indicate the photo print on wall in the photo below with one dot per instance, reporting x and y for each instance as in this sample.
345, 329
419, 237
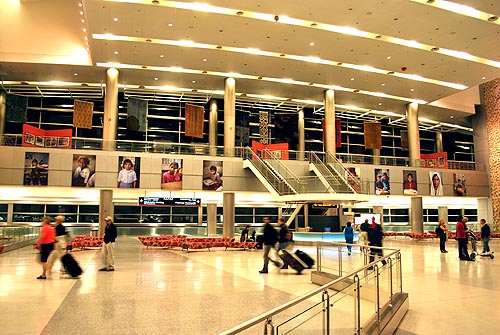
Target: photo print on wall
382, 184
83, 171
171, 174
212, 175
436, 179
128, 172
36, 169
410, 182
460, 188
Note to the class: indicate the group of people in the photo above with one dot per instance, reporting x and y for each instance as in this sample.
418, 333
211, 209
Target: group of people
462, 235
278, 240
370, 234
52, 243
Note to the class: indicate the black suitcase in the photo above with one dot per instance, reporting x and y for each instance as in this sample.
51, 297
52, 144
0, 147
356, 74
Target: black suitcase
293, 261
71, 266
260, 241
305, 258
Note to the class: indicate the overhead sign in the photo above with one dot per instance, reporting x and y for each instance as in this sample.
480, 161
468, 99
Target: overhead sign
152, 201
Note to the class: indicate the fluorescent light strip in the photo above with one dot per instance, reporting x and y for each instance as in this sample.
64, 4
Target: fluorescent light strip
245, 76
461, 10
253, 51
195, 6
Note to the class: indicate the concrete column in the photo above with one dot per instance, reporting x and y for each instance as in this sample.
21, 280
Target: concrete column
485, 211
443, 213
200, 216
302, 136
228, 212
490, 94
330, 142
306, 215
376, 156
413, 134
379, 210
212, 128
110, 119
106, 208
439, 142
10, 213
416, 215
229, 116
3, 101
212, 219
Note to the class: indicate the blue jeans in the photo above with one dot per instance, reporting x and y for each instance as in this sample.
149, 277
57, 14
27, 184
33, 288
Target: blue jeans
486, 245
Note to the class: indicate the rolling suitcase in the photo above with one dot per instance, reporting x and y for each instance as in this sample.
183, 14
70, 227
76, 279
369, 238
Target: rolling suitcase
293, 261
305, 258
71, 266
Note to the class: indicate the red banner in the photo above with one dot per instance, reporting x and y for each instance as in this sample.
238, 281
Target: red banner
36, 137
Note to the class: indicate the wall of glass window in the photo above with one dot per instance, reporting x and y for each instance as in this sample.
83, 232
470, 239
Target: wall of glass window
398, 219
165, 123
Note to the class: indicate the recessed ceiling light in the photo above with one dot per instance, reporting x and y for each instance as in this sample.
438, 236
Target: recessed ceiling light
116, 52
81, 12
311, 44
156, 78
193, 81
83, 20
80, 4
75, 74
493, 18
204, 59
84, 30
451, 117
239, 13
115, 19
383, 84
483, 78
412, 89
352, 78
380, 104
170, 24
388, 57
161, 56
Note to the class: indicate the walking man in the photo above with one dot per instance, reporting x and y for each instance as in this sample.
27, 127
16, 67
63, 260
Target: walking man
270, 239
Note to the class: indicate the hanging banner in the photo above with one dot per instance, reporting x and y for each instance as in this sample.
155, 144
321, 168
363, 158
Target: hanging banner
264, 127
194, 121
15, 108
286, 129
373, 135
137, 111
82, 114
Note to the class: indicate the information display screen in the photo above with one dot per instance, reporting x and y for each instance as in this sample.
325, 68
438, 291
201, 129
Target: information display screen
153, 201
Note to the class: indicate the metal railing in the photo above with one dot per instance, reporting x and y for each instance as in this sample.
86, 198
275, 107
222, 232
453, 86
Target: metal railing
270, 158
17, 234
339, 183
358, 301
205, 149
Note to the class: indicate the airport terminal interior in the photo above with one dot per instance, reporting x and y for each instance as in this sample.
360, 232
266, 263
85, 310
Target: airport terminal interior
186, 121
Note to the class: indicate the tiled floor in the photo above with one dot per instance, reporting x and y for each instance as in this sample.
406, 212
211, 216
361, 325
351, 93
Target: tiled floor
157, 291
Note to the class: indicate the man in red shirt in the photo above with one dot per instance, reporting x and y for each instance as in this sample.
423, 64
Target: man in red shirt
462, 238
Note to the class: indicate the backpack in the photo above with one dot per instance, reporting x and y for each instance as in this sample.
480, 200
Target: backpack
438, 231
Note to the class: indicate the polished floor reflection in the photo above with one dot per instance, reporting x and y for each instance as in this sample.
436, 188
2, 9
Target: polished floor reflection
157, 291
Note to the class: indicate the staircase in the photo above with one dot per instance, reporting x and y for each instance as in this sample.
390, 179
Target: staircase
336, 178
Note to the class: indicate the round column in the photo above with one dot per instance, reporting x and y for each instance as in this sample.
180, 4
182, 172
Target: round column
228, 212
3, 101
212, 128
330, 142
416, 215
106, 208
413, 134
302, 136
439, 142
212, 219
110, 121
443, 214
229, 116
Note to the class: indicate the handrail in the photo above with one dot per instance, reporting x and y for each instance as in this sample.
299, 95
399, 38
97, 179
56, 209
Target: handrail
264, 317
347, 183
190, 149
281, 186
294, 182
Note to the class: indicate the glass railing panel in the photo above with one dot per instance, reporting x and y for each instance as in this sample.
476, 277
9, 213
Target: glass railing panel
310, 320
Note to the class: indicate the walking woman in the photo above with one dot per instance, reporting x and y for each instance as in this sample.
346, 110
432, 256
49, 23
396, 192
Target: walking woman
46, 241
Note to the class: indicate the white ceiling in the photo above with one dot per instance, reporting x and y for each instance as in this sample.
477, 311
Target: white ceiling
43, 40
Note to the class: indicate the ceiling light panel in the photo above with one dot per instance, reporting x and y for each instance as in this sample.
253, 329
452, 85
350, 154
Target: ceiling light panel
349, 31
461, 9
